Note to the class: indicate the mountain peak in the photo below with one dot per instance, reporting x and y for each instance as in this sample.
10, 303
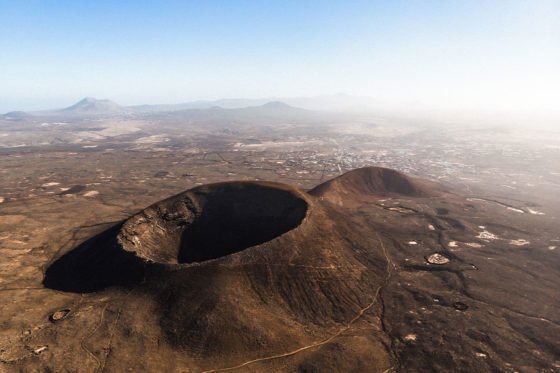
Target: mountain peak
16, 115
92, 105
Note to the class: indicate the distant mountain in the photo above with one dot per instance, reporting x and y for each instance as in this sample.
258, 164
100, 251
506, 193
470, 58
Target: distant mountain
223, 103
328, 103
272, 107
277, 105
270, 113
338, 102
267, 113
16, 116
90, 105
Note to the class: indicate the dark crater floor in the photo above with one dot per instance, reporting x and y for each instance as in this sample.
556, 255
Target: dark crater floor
233, 217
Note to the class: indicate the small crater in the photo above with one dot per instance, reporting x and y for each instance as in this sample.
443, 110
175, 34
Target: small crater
74, 189
460, 306
437, 258
161, 174
59, 315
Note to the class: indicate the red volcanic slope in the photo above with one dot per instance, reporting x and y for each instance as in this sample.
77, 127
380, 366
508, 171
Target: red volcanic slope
371, 182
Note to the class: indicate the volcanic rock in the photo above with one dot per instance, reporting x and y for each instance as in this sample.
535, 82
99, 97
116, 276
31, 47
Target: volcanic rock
261, 276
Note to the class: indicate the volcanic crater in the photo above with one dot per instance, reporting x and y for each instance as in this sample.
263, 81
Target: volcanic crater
213, 221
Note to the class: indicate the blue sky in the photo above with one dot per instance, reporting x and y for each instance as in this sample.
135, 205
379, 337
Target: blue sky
441, 54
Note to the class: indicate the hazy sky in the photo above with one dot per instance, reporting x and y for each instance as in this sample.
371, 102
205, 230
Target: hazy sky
449, 54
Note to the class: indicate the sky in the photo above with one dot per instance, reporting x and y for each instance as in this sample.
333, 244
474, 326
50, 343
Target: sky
460, 55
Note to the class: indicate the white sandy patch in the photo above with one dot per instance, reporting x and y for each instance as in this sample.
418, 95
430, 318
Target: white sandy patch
276, 144
120, 128
89, 146
486, 236
2, 199
453, 244
16, 252
482, 226
480, 354
40, 349
152, 139
519, 242
410, 337
64, 189
412, 243
402, 210
17, 242
534, 212
473, 244
91, 193
552, 247
515, 209
46, 185
431, 227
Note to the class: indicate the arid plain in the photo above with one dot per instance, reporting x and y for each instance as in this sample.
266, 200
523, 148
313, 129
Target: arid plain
458, 271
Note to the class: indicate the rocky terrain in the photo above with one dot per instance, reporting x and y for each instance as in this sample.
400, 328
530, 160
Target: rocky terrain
371, 271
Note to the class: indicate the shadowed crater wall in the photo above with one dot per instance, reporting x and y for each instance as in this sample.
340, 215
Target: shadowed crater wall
96, 263
233, 217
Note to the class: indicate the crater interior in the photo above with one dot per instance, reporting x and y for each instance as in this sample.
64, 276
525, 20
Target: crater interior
213, 221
